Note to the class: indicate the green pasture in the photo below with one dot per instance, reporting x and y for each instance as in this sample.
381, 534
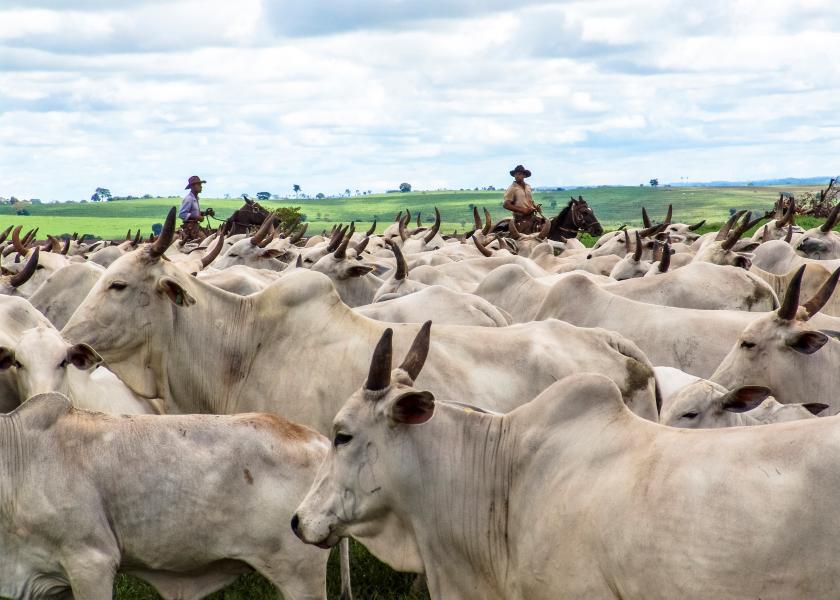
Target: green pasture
612, 205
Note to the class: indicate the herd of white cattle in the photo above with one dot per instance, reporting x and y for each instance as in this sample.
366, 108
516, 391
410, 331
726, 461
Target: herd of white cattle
636, 420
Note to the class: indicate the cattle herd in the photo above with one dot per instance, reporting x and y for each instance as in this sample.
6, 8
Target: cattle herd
637, 420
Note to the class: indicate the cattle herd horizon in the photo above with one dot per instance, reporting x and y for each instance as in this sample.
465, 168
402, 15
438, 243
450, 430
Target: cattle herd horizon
651, 417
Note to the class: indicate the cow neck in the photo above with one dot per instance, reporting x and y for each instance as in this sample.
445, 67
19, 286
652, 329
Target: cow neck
461, 520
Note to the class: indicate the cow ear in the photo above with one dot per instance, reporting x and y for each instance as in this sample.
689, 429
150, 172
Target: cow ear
750, 247
412, 408
815, 408
358, 270
7, 358
271, 253
744, 398
807, 342
175, 292
83, 357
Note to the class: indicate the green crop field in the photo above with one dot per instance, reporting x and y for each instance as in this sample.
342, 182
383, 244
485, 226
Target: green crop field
612, 205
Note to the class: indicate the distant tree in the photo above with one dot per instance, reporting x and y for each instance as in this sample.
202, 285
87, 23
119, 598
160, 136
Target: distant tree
35, 201
147, 196
357, 192
405, 187
227, 196
296, 189
24, 212
654, 182
101, 195
319, 196
263, 195
347, 192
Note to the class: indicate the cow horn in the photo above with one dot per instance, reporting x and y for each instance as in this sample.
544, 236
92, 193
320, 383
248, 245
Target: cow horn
419, 222
697, 225
481, 247
214, 252
128, 235
53, 244
296, 237
18, 245
734, 236
167, 235
372, 229
626, 240
30, 236
341, 252
765, 234
645, 218
416, 357
724, 231
823, 295
488, 222
514, 232
435, 228
299, 261
665, 259
379, 376
407, 217
754, 222
789, 234
790, 305
28, 270
637, 252
398, 217
545, 229
825, 228
670, 214
788, 216
269, 236
5, 233
476, 218
360, 247
259, 236
403, 234
653, 230
66, 247
402, 265
336, 240
75, 235
137, 239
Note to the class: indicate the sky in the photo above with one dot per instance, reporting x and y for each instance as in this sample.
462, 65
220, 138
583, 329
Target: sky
259, 95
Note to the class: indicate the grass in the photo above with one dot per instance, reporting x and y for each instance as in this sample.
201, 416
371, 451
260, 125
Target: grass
612, 205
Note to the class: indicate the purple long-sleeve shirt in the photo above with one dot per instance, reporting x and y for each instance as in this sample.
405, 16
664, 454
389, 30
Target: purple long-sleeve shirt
189, 207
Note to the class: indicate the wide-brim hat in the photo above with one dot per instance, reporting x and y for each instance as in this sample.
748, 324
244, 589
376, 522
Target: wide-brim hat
520, 169
192, 180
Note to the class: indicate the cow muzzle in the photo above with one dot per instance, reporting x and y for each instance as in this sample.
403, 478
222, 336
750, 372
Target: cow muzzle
324, 540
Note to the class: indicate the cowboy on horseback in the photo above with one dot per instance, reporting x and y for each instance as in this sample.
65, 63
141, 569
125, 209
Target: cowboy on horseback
190, 212
519, 200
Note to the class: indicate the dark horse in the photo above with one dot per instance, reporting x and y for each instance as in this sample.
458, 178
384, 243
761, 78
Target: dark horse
574, 218
250, 216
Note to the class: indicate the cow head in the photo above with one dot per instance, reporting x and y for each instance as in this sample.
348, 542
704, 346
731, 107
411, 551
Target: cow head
348, 496
42, 358
253, 251
782, 351
707, 405
723, 251
822, 242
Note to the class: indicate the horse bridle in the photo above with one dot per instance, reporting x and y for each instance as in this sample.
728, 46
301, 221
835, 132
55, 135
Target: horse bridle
575, 223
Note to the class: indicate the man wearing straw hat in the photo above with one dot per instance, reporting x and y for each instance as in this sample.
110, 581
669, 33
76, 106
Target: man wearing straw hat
190, 212
520, 201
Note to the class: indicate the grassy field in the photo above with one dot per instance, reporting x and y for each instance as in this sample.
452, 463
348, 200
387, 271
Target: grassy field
373, 580
612, 205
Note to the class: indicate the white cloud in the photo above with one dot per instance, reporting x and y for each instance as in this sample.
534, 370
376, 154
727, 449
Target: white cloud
138, 97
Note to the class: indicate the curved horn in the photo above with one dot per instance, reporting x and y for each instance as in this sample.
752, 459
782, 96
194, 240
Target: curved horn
435, 228
646, 218
825, 228
403, 234
637, 251
476, 218
665, 261
16, 243
167, 235
823, 295
5, 233
724, 231
30, 236
137, 239
514, 232
402, 265
789, 234
787, 310
372, 229
28, 270
733, 237
481, 247
419, 222
336, 240
626, 240
408, 217
53, 244
765, 234
214, 252
259, 236
545, 229
360, 247
66, 247
669, 215
697, 225
341, 252
653, 230
488, 222
269, 236
295, 237
379, 376
416, 357
754, 222
127, 235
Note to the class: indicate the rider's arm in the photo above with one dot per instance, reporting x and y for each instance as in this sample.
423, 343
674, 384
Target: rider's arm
511, 204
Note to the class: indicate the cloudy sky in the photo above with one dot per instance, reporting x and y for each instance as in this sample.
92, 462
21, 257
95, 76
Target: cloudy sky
364, 94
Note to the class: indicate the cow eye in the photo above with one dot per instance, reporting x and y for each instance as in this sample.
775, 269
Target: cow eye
747, 344
341, 439
18, 365
233, 255
690, 415
63, 364
117, 285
